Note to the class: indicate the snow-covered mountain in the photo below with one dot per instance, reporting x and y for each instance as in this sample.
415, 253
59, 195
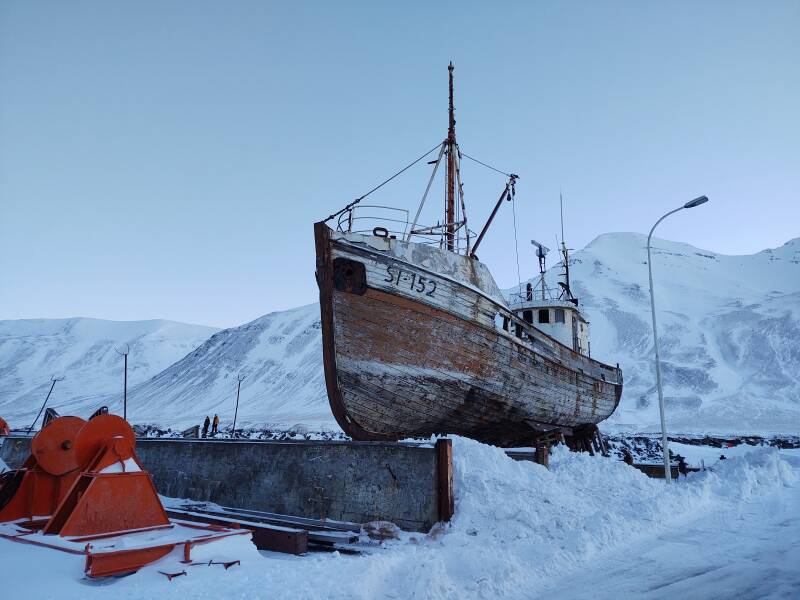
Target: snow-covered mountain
280, 357
83, 351
729, 329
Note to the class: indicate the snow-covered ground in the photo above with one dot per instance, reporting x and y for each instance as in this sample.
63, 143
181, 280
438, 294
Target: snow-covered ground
588, 528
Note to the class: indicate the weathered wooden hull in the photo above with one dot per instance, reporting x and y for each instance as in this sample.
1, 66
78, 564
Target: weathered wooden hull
410, 352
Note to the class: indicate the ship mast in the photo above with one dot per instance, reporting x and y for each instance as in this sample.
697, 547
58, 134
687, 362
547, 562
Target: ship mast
450, 202
566, 292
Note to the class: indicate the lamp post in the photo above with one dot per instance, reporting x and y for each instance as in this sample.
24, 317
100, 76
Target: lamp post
53, 381
690, 204
239, 379
125, 381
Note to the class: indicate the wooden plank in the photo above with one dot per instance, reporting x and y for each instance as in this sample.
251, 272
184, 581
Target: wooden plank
265, 536
331, 524
317, 534
444, 478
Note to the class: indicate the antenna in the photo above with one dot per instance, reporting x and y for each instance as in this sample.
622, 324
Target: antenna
541, 253
566, 291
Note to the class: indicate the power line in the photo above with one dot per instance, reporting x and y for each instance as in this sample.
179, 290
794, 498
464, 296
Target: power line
516, 243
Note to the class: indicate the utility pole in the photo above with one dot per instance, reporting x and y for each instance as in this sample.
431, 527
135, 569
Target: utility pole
125, 384
54, 380
239, 379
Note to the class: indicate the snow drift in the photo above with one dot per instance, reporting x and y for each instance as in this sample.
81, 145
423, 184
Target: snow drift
518, 527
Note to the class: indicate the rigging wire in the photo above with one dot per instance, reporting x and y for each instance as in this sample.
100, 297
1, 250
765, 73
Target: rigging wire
377, 187
516, 243
465, 155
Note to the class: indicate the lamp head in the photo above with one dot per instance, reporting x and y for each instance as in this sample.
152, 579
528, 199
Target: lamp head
696, 202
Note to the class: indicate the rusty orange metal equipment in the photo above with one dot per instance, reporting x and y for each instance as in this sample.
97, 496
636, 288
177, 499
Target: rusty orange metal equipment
113, 491
36, 489
110, 497
4, 428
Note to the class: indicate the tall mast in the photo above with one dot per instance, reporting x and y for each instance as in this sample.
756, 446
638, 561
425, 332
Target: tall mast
450, 203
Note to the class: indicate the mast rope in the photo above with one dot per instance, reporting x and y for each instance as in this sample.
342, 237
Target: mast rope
516, 243
379, 186
465, 155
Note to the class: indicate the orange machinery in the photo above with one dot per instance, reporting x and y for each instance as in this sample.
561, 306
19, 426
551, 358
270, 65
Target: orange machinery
82, 483
36, 489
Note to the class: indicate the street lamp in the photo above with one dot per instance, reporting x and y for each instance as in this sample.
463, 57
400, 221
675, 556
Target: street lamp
239, 379
690, 204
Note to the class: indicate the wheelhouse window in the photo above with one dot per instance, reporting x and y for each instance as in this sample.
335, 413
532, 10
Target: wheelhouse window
527, 315
559, 315
544, 315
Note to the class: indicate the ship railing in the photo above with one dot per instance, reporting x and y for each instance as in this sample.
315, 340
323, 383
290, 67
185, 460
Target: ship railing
389, 221
366, 218
385, 221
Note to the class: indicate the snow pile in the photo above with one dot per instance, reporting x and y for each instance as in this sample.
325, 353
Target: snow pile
747, 478
518, 527
558, 519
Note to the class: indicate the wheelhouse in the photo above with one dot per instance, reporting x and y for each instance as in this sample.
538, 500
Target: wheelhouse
560, 319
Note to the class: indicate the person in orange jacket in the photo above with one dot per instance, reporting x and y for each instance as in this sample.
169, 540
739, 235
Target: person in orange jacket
215, 424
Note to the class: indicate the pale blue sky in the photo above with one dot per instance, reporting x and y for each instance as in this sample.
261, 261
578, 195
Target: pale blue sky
168, 159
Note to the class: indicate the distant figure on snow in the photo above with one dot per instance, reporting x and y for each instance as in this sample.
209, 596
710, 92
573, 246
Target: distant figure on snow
682, 466
722, 457
215, 424
206, 425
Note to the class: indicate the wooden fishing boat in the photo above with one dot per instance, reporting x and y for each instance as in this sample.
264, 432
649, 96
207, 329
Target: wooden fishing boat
419, 340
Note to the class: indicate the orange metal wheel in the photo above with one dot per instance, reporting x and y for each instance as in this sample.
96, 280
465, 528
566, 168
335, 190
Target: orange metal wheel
54, 446
100, 432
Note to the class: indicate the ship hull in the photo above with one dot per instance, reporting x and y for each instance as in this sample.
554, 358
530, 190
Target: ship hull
409, 352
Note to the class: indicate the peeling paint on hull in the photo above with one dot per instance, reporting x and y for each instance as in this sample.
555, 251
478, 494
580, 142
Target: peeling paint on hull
411, 348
